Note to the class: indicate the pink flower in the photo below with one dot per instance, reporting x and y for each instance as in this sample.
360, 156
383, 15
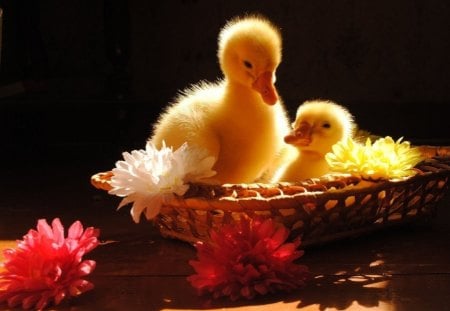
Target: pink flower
248, 259
46, 266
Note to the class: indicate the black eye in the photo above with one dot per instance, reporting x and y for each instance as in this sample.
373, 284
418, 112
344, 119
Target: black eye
326, 125
248, 64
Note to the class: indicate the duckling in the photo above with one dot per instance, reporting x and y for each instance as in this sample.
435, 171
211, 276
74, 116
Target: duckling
319, 124
240, 120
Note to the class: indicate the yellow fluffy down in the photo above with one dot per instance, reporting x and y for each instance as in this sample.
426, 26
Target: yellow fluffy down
385, 159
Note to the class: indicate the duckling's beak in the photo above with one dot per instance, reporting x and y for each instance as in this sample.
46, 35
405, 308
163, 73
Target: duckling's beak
300, 136
264, 86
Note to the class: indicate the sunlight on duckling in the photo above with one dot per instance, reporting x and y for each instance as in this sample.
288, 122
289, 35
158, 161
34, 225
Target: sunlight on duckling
318, 125
213, 115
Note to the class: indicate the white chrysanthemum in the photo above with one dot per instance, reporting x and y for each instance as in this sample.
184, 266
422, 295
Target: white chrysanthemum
147, 178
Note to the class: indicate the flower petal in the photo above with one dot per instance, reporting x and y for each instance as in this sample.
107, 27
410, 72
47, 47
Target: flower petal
247, 259
44, 229
146, 174
46, 265
86, 267
75, 230
58, 231
80, 286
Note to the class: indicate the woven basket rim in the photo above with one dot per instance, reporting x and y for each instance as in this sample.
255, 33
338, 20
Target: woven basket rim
318, 209
331, 184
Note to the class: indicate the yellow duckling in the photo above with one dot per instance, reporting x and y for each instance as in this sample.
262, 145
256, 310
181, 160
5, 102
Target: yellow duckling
318, 126
239, 120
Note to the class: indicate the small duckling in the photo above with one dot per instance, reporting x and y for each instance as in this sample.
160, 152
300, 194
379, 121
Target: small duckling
239, 120
319, 124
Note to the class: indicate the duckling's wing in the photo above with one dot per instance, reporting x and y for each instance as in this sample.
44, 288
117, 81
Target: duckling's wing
188, 119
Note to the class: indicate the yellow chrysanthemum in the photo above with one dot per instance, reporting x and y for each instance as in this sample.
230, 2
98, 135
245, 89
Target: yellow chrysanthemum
384, 159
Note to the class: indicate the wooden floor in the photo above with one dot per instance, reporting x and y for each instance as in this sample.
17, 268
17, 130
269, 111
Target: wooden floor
405, 268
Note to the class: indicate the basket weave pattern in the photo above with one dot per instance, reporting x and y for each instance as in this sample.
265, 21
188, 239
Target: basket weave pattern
318, 210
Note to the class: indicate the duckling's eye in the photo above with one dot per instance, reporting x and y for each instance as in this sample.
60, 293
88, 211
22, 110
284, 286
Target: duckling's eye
326, 125
248, 64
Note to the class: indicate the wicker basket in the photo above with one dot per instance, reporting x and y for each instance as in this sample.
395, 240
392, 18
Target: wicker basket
319, 210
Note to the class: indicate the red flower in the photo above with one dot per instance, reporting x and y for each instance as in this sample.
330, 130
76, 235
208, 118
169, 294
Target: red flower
46, 266
248, 259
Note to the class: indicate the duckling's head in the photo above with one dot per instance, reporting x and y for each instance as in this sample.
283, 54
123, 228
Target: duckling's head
319, 125
249, 53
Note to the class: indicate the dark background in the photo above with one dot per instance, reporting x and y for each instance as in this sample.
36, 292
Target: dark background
82, 81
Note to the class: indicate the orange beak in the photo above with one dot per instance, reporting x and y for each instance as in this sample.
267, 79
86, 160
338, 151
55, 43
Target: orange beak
300, 136
264, 86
